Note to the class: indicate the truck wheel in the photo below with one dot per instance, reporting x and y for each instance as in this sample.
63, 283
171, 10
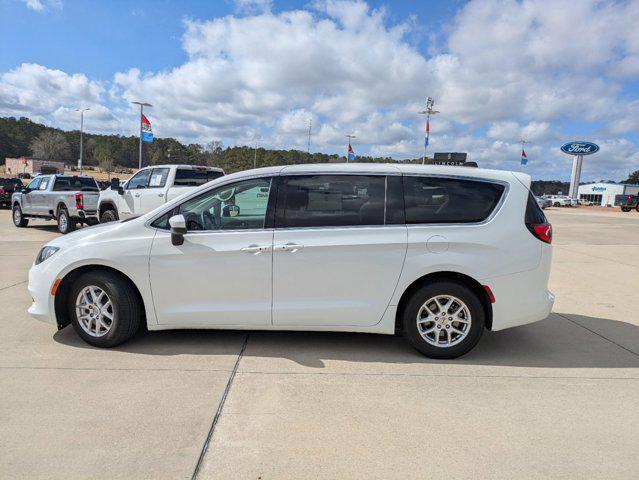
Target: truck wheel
18, 218
109, 216
556, 204
65, 223
104, 309
625, 209
443, 319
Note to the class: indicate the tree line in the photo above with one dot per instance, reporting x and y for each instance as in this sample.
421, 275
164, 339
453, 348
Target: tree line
21, 136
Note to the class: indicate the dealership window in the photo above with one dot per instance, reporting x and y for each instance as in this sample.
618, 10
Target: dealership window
331, 201
449, 200
591, 199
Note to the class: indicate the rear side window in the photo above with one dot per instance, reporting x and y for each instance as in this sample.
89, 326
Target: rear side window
331, 201
195, 176
449, 200
158, 177
534, 214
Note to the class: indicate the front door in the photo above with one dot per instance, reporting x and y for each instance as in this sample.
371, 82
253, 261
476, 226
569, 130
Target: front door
28, 206
222, 274
154, 195
337, 250
133, 190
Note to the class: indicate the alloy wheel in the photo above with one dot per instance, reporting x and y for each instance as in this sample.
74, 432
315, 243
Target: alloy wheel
444, 321
94, 311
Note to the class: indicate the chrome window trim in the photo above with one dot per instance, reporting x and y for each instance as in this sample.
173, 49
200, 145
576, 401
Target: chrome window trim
493, 214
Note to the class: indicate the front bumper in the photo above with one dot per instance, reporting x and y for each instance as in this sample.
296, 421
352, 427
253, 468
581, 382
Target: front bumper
40, 284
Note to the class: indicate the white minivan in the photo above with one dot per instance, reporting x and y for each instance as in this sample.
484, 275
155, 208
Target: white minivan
436, 253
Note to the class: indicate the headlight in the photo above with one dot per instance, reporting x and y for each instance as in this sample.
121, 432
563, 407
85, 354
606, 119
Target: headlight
45, 253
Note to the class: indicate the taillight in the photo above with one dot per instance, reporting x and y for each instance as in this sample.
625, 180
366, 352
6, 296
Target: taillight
542, 231
79, 201
630, 197
1, 191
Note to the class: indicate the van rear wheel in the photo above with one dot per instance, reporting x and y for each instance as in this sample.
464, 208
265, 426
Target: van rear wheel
444, 319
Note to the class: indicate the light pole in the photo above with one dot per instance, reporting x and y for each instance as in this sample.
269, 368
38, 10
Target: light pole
142, 105
428, 112
81, 110
310, 127
348, 150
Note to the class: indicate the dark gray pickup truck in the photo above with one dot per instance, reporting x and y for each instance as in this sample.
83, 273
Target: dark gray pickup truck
69, 199
627, 202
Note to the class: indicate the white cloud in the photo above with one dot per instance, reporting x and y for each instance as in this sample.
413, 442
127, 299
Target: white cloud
42, 5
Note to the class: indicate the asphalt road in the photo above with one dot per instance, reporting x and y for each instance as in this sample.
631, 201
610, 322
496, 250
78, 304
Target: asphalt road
556, 399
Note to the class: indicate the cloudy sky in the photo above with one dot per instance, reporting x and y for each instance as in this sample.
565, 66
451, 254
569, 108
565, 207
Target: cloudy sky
237, 71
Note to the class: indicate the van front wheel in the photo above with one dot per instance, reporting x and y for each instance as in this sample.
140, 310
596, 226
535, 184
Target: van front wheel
444, 319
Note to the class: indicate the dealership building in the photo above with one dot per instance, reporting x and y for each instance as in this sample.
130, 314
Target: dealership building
604, 193
14, 166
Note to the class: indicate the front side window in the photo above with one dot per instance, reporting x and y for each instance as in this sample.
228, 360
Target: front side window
331, 201
34, 184
139, 180
195, 176
449, 200
236, 206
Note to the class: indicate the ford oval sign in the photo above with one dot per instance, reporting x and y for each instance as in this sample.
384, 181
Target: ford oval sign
580, 148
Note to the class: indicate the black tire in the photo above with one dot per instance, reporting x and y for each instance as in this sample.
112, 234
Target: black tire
625, 209
126, 310
556, 204
18, 218
443, 288
109, 216
66, 224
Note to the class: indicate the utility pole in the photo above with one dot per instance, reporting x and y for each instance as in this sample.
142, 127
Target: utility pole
430, 103
348, 149
81, 110
142, 105
310, 127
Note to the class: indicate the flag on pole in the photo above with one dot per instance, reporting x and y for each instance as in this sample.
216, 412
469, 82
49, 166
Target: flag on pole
524, 158
147, 133
427, 133
351, 153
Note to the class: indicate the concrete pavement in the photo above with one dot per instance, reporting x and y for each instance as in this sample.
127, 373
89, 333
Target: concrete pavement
556, 399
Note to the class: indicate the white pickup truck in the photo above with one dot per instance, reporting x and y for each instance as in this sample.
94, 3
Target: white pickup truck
149, 188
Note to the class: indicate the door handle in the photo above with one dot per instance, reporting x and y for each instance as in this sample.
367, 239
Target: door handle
254, 249
289, 247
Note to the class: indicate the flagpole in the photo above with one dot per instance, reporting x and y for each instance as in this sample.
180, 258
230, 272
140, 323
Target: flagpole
430, 103
142, 105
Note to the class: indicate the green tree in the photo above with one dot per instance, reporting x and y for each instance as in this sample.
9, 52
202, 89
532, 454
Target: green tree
633, 178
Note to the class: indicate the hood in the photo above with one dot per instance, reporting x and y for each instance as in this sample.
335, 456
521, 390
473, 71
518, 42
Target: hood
95, 233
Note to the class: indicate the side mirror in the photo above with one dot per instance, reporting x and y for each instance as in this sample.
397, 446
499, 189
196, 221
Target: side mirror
115, 183
178, 229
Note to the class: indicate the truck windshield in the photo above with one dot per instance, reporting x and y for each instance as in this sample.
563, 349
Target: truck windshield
195, 176
67, 184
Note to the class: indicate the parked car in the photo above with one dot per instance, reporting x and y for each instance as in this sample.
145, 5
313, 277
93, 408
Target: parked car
438, 253
151, 187
25, 176
69, 199
543, 202
559, 200
7, 187
627, 202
